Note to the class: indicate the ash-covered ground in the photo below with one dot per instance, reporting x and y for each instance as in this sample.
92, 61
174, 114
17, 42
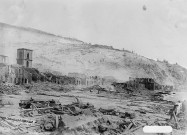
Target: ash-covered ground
84, 111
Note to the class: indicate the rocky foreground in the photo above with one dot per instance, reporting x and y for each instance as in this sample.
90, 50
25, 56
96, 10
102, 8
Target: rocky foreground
83, 111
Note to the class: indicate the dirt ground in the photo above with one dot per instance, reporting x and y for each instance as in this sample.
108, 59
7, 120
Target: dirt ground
146, 111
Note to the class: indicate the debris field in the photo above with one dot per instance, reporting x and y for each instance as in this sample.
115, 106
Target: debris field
83, 111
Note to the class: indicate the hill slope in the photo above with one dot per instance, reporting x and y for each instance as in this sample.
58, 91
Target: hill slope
65, 55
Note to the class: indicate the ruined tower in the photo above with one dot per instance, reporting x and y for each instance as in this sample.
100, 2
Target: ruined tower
24, 57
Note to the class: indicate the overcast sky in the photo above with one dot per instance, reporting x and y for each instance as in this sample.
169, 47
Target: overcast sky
152, 28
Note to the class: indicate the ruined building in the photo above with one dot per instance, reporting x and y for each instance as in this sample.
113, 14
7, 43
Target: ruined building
94, 80
148, 83
3, 72
24, 60
11, 74
139, 83
24, 57
3, 59
3, 68
80, 79
86, 80
17, 73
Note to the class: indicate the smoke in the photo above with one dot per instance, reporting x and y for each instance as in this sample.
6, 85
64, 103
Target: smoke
120, 74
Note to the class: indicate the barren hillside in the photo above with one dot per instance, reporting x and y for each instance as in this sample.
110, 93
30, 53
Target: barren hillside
65, 55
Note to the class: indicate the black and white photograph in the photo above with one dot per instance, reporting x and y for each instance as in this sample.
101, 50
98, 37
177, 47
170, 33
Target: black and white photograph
93, 67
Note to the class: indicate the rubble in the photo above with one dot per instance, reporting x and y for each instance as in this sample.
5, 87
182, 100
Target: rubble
130, 115
159, 96
26, 104
108, 111
58, 114
6, 88
95, 88
31, 107
43, 87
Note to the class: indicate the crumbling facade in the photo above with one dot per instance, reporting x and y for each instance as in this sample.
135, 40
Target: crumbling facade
94, 80
149, 83
3, 72
139, 83
23, 76
18, 74
85, 80
80, 79
11, 74
14, 74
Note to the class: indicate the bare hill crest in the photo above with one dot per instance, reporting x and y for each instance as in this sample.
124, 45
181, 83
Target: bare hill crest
64, 55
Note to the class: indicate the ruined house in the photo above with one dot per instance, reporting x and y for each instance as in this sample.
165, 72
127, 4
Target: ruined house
86, 80
148, 83
94, 80
7, 73
11, 72
3, 68
139, 83
14, 74
3, 59
18, 75
22, 72
80, 79
3, 72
